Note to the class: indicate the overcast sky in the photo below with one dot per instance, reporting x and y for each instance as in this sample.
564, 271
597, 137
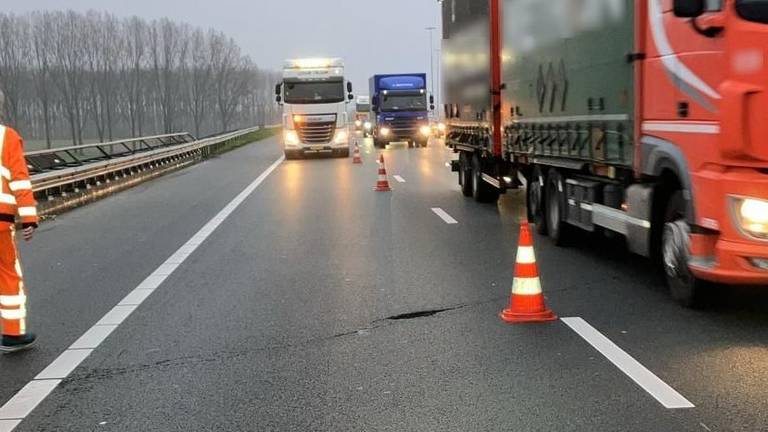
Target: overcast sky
373, 36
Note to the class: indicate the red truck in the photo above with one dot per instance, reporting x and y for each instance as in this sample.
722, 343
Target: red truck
645, 118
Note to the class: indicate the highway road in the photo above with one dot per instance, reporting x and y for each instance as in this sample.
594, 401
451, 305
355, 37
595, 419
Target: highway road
270, 295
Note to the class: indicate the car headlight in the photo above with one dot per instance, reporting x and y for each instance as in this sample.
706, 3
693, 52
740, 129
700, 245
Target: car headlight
426, 130
291, 137
341, 137
384, 131
752, 216
441, 127
367, 125
358, 123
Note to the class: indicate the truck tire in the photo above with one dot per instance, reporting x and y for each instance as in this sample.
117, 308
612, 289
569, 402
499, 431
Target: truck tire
465, 174
482, 191
684, 287
535, 199
557, 228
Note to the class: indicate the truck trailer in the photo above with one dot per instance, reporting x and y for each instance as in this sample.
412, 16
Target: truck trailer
314, 98
641, 118
399, 109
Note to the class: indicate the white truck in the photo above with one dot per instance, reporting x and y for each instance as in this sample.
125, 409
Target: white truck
314, 98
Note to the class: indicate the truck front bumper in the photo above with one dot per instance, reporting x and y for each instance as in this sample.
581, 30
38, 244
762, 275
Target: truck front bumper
728, 255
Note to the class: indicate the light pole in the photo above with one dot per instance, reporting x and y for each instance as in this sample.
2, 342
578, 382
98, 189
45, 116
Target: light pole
431, 58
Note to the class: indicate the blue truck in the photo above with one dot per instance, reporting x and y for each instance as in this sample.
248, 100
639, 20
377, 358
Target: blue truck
400, 106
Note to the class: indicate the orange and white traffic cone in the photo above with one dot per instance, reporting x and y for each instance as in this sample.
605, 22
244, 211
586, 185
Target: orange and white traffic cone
382, 185
356, 159
526, 303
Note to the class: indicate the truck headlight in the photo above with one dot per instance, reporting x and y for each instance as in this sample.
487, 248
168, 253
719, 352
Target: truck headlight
367, 125
441, 127
358, 123
426, 130
384, 131
341, 137
291, 137
751, 216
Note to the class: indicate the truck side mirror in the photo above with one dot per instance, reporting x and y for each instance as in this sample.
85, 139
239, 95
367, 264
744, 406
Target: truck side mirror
432, 107
349, 87
689, 8
432, 100
278, 89
279, 99
351, 96
375, 102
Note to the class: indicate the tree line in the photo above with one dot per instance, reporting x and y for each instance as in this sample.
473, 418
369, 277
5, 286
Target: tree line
84, 76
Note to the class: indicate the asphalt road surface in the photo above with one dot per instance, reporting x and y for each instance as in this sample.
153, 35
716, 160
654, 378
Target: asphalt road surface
253, 294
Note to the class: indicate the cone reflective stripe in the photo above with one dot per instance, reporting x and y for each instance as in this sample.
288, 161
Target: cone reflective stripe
526, 304
357, 159
382, 185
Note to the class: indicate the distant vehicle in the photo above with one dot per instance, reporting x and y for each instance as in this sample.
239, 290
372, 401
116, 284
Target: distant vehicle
363, 115
314, 100
400, 107
638, 118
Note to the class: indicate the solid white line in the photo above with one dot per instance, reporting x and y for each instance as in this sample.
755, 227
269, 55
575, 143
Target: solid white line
652, 384
93, 337
444, 216
64, 364
117, 315
23, 402
135, 297
399, 179
8, 425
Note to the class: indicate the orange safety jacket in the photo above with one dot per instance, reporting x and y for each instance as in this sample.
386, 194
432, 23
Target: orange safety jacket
16, 197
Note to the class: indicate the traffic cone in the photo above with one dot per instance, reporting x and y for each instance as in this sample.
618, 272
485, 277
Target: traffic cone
526, 303
383, 184
356, 159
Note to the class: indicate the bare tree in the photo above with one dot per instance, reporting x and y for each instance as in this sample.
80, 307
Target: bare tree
94, 76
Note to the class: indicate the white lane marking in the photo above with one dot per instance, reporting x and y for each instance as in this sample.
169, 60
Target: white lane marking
444, 216
652, 384
8, 425
23, 402
64, 364
92, 338
399, 179
135, 297
117, 315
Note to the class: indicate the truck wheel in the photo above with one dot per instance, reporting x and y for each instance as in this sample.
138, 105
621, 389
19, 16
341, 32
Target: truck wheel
555, 209
535, 199
465, 174
684, 287
482, 191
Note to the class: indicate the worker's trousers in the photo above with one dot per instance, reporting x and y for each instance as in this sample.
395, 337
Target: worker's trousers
13, 310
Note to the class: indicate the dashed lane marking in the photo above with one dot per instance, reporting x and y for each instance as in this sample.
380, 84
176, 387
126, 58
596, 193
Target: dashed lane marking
399, 179
23, 402
444, 216
652, 384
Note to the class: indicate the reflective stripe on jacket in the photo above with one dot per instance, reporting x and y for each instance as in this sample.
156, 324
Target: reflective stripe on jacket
16, 197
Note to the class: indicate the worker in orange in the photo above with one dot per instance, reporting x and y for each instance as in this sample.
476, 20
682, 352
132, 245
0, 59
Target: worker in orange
17, 204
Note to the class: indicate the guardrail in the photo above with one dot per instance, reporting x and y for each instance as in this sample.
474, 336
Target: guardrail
60, 172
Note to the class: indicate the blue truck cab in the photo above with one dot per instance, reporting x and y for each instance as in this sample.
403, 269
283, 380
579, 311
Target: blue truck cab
400, 106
